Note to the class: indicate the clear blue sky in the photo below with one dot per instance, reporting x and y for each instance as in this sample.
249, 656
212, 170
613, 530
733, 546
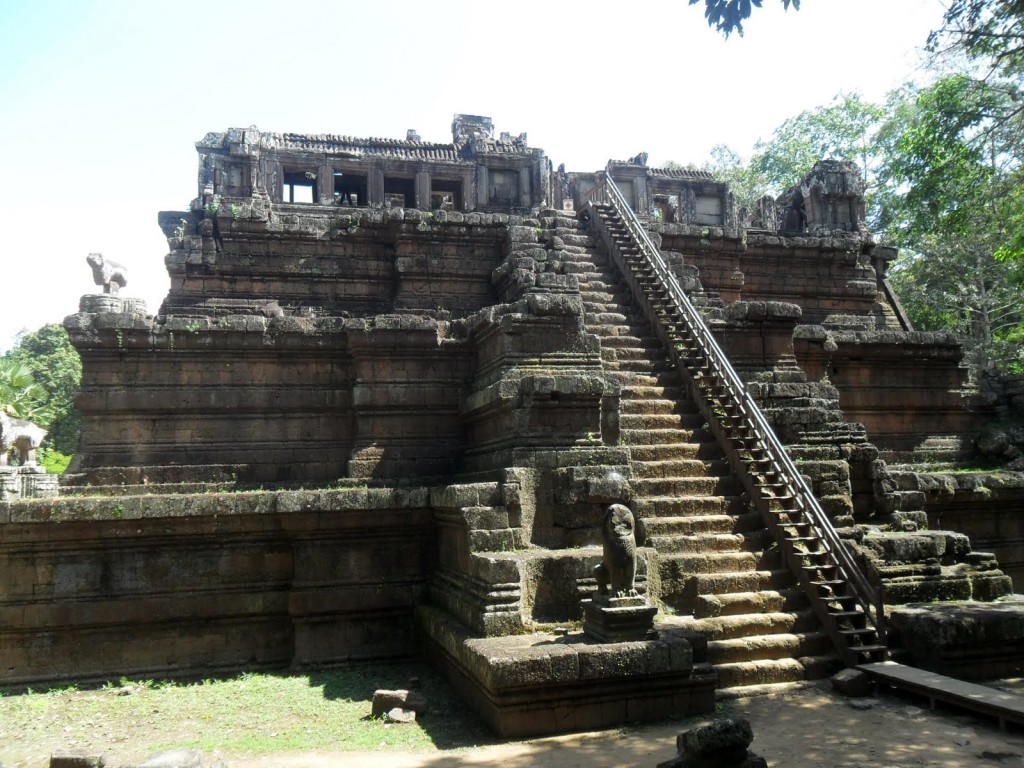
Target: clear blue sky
103, 101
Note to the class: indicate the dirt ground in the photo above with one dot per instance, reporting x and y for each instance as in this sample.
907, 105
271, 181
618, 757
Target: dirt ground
806, 728
810, 727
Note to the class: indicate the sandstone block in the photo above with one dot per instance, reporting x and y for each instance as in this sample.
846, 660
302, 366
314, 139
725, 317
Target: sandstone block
851, 682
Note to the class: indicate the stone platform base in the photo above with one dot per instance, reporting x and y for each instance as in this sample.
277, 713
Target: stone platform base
543, 684
968, 640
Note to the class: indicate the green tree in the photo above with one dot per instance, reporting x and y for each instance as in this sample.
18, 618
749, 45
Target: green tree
727, 16
845, 129
56, 371
953, 204
991, 31
20, 395
746, 184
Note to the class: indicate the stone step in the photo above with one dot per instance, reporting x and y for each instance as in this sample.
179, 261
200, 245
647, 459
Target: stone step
665, 436
582, 268
680, 468
147, 489
674, 567
596, 303
709, 543
642, 365
599, 283
751, 625
629, 341
686, 506
652, 356
648, 421
553, 218
706, 543
636, 378
673, 393
738, 603
654, 405
682, 590
648, 487
775, 671
570, 237
606, 331
643, 422
696, 524
604, 318
783, 645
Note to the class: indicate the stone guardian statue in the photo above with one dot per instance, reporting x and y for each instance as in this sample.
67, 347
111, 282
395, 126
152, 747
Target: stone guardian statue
616, 574
21, 435
111, 275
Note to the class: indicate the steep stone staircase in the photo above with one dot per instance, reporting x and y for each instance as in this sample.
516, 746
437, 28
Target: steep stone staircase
719, 572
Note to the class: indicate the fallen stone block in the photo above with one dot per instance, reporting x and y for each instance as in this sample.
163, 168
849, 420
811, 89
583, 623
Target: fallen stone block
720, 744
851, 682
399, 715
385, 700
76, 759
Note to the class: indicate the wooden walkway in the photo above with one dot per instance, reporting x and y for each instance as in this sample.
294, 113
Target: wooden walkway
978, 698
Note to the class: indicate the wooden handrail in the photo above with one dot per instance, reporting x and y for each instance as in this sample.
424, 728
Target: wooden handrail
606, 192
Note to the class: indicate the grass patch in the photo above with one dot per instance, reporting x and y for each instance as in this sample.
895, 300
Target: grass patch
252, 713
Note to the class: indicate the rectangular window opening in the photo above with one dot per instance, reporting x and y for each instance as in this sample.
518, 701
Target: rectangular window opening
299, 187
446, 195
503, 188
349, 189
400, 193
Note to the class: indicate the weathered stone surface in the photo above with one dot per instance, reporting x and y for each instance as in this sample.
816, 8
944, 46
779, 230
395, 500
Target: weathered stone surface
720, 736
720, 744
76, 758
851, 682
385, 700
974, 640
175, 758
399, 715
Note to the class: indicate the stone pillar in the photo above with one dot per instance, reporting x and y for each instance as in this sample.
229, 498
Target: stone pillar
525, 195
375, 187
468, 191
423, 191
274, 179
481, 186
643, 200
325, 184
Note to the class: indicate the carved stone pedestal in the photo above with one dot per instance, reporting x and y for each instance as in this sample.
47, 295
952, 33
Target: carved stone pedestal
101, 303
618, 619
26, 482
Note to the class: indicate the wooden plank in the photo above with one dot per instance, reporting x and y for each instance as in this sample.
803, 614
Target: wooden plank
979, 698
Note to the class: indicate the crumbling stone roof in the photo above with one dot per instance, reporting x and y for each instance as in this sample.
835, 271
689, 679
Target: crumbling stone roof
684, 173
420, 150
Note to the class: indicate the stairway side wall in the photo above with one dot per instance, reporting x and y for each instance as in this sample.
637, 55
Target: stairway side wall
905, 387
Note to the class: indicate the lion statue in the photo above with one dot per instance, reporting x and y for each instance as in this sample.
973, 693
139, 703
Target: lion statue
111, 275
616, 574
20, 435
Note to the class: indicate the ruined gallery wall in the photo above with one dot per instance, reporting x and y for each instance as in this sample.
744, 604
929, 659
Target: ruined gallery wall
194, 585
361, 377
239, 391
323, 261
